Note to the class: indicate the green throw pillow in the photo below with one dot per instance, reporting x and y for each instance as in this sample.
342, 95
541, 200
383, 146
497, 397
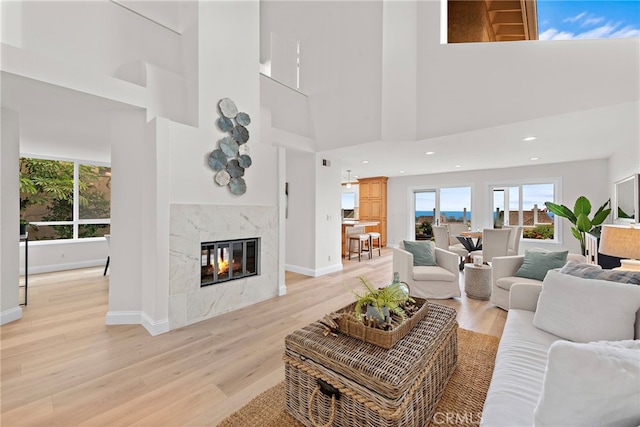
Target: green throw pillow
536, 264
424, 251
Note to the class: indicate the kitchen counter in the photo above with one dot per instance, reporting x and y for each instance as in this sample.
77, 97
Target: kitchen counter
348, 222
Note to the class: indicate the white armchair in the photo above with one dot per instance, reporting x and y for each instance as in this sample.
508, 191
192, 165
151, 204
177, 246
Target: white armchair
440, 281
503, 277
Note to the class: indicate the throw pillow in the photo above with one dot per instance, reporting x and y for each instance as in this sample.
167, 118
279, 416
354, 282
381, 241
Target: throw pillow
536, 264
584, 310
424, 251
590, 384
589, 271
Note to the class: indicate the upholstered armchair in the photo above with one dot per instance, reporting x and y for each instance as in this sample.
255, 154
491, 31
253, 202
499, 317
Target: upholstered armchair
440, 281
503, 277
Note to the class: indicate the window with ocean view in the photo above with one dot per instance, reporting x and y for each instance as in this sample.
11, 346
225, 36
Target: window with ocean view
441, 206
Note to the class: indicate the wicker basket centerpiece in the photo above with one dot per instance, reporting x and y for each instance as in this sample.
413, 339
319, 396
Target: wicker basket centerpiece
380, 316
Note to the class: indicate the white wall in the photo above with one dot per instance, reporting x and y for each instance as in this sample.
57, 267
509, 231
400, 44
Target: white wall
588, 178
9, 217
47, 256
98, 36
129, 173
399, 71
465, 86
313, 225
300, 223
328, 218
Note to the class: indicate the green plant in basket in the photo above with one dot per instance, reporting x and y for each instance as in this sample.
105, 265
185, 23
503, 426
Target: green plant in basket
391, 297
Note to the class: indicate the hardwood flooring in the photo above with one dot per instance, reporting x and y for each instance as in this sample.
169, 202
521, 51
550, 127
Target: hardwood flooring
62, 366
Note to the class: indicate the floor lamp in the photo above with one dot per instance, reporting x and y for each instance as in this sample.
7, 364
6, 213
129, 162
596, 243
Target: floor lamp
622, 242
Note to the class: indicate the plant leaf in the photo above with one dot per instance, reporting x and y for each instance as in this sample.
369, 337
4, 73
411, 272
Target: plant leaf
583, 224
562, 211
600, 217
576, 233
582, 206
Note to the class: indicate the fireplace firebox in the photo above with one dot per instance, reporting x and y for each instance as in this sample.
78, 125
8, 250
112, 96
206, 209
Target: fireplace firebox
227, 260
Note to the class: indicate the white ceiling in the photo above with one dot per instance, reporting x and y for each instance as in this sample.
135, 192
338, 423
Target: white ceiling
590, 134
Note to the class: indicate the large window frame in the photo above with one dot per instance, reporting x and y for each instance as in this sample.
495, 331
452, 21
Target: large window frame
437, 209
517, 185
75, 222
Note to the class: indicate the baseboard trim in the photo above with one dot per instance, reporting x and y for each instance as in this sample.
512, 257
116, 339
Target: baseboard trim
155, 327
10, 315
313, 273
123, 318
138, 318
62, 267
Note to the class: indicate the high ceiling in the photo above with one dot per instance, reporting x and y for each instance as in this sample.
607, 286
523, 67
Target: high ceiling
384, 88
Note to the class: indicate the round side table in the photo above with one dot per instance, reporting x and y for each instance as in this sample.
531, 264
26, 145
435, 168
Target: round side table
477, 281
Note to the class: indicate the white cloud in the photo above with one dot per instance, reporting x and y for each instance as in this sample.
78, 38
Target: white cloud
575, 18
626, 32
592, 20
553, 34
606, 31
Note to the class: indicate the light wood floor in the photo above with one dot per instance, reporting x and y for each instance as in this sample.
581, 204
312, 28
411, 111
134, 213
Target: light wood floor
62, 366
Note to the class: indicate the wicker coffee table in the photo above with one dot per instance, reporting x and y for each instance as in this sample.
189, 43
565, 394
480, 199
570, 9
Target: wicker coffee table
477, 281
343, 381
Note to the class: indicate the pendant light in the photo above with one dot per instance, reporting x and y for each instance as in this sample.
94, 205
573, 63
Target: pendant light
348, 178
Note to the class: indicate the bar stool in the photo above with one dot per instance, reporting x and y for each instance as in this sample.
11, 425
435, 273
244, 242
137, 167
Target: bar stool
374, 235
356, 236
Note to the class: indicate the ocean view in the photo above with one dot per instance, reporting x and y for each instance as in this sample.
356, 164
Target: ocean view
447, 214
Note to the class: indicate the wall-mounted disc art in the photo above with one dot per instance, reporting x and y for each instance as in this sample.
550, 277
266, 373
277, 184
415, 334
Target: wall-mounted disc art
232, 157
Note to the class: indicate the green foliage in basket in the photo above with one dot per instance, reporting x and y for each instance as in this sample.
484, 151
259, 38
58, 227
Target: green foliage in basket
391, 297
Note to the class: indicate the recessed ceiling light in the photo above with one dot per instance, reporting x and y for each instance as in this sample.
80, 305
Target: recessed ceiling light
529, 138
534, 158
401, 171
365, 161
456, 166
428, 153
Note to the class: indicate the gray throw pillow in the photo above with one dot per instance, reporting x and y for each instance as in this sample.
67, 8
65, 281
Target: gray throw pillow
589, 271
536, 264
424, 251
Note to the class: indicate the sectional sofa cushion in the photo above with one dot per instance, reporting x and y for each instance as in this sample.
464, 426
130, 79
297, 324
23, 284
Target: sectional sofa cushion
536, 264
590, 384
584, 310
424, 252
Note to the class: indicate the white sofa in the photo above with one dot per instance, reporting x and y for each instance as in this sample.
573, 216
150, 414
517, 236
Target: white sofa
502, 277
440, 281
521, 363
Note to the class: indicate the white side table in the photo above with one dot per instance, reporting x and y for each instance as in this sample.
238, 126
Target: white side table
477, 281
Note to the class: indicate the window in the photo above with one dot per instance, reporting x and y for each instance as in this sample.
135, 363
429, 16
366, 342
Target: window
64, 199
441, 206
524, 205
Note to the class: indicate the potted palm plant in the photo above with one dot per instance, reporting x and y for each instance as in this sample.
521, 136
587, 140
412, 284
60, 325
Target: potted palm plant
579, 217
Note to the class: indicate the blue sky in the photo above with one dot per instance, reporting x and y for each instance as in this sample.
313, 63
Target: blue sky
596, 19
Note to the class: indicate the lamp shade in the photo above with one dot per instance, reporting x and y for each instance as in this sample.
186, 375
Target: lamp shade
622, 242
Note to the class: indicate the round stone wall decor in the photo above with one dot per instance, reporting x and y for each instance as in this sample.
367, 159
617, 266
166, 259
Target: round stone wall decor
231, 158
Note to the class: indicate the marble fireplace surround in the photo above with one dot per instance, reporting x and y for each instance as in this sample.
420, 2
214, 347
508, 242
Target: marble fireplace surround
190, 225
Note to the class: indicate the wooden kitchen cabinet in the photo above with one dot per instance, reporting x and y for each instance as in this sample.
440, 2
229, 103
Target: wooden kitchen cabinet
373, 204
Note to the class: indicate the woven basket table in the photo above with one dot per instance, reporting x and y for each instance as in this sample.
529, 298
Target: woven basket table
477, 281
343, 381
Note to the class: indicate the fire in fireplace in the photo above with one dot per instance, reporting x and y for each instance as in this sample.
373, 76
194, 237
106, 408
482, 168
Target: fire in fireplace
228, 260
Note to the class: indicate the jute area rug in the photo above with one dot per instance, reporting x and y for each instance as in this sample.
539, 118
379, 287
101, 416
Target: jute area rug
460, 405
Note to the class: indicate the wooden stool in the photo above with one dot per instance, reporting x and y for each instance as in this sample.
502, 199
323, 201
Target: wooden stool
360, 240
374, 235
